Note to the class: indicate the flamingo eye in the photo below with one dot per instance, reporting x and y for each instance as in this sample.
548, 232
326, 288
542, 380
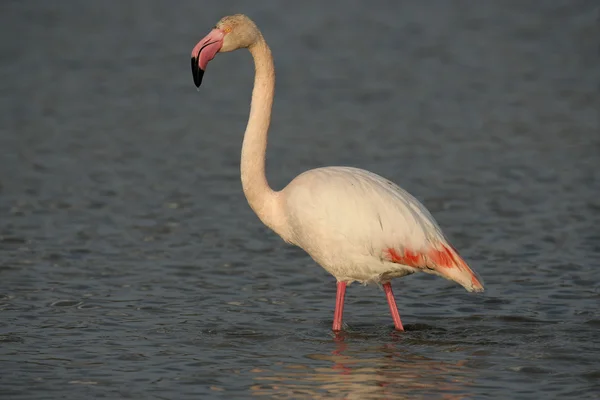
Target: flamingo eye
227, 29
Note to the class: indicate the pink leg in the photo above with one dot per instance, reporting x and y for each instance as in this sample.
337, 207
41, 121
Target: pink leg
387, 287
339, 306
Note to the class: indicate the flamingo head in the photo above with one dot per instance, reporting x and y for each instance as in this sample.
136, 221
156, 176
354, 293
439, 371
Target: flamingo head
231, 33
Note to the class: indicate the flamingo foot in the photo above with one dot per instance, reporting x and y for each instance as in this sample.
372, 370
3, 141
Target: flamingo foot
387, 288
339, 306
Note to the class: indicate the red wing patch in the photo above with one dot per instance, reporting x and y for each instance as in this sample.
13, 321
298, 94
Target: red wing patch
443, 258
436, 259
433, 258
406, 257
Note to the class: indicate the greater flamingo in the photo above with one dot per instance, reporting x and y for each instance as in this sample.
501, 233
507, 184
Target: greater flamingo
357, 225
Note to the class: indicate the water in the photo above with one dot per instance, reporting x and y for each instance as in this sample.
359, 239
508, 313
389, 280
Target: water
132, 267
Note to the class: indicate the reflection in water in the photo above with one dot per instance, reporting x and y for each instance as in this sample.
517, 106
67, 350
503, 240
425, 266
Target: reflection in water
368, 372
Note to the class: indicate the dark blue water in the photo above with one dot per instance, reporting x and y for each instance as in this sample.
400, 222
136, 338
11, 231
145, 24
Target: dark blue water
132, 267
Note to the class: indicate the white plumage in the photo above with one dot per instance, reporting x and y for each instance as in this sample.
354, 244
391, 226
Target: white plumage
346, 218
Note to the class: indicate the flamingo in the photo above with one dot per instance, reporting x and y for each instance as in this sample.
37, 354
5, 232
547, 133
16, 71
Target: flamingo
358, 226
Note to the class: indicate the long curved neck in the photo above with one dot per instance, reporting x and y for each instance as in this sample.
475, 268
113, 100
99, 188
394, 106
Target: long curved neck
262, 199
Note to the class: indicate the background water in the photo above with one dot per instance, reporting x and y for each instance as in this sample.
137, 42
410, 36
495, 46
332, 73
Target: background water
132, 267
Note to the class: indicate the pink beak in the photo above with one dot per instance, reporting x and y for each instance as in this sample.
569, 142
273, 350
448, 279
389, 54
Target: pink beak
204, 51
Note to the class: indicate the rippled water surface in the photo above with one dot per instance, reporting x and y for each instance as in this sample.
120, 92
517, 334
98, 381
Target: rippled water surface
132, 267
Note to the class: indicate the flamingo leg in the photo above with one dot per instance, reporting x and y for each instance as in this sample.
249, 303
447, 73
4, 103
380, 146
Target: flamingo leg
339, 306
387, 288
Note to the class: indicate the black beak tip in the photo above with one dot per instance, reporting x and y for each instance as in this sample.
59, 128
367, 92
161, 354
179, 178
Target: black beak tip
197, 72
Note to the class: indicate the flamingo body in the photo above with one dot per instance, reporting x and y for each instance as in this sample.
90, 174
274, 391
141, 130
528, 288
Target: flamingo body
354, 223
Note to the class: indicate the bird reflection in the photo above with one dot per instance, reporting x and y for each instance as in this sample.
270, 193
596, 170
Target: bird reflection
359, 371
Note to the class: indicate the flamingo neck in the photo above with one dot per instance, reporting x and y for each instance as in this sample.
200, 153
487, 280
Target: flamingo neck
260, 196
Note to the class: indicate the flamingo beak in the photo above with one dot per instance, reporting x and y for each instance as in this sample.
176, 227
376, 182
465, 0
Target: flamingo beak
204, 51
